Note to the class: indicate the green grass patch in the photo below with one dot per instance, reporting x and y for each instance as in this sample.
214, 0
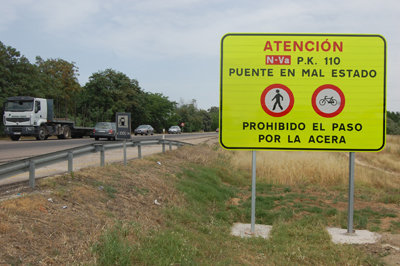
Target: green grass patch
198, 233
204, 188
395, 226
167, 247
113, 247
365, 218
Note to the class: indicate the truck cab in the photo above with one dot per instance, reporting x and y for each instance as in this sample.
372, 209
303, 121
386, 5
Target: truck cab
28, 116
23, 116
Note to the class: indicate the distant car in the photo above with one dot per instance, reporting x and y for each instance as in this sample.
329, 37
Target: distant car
106, 130
174, 130
144, 130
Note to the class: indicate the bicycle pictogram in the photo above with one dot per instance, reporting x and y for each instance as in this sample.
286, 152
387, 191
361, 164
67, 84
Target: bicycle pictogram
329, 100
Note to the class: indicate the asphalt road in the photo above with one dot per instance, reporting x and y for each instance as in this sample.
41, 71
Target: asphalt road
24, 148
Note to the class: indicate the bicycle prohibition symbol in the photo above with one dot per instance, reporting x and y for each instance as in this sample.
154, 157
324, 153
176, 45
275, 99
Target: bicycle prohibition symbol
328, 100
325, 100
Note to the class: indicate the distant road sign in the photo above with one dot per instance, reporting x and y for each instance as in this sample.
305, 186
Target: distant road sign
123, 121
303, 92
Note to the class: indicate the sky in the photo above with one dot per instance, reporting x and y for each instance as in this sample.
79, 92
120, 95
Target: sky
173, 46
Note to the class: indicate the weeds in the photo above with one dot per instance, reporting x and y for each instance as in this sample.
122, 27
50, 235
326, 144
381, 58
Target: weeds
203, 191
113, 247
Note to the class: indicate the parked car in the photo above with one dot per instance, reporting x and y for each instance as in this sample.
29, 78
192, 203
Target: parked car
144, 130
174, 130
106, 130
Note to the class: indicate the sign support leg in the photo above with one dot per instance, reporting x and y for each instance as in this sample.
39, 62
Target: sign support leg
253, 193
350, 229
32, 174
102, 159
125, 152
70, 162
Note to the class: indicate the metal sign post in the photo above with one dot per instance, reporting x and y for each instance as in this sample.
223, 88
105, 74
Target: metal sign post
350, 213
253, 193
125, 152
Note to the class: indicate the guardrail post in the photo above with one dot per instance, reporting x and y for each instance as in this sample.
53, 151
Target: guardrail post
170, 146
102, 159
31, 173
139, 148
70, 162
100, 148
125, 152
163, 146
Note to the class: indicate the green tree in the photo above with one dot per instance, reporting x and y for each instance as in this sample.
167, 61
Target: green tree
214, 114
190, 116
108, 92
158, 111
60, 79
393, 123
18, 77
207, 121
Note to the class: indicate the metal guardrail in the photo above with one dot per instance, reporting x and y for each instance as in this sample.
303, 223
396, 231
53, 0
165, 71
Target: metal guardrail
32, 163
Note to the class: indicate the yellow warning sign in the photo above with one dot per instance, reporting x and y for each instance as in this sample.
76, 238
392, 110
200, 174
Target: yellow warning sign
303, 92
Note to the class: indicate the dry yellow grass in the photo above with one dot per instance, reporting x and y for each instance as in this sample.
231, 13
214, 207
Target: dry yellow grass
380, 169
388, 158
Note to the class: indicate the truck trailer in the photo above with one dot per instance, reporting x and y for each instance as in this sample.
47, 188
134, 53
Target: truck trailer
29, 116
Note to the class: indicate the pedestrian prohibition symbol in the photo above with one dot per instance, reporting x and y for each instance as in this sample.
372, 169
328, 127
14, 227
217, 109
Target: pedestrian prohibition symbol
277, 100
303, 92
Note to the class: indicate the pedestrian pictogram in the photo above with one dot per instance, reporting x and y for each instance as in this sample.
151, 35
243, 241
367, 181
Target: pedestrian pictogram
328, 100
123, 121
277, 100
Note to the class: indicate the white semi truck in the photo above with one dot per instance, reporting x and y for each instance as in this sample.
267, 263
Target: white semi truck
29, 116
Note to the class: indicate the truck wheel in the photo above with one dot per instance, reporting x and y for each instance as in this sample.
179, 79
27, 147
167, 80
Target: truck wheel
42, 133
67, 132
14, 138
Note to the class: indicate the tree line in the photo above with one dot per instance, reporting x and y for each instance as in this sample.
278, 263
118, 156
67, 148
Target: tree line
393, 123
106, 92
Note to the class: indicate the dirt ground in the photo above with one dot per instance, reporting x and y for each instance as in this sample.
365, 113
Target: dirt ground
59, 222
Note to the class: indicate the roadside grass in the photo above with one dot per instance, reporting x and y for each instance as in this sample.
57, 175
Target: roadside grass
112, 217
217, 194
199, 233
377, 175
386, 159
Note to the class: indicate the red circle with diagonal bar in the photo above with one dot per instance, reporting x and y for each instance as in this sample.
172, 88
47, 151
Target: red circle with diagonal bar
271, 99
328, 100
